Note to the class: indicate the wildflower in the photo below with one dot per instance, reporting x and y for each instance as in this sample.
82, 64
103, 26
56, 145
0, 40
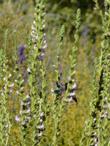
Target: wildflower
25, 122
41, 57
41, 127
25, 110
21, 55
41, 114
28, 70
40, 134
61, 88
17, 118
72, 93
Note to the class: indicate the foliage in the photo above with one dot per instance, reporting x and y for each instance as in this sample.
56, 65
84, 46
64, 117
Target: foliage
95, 130
46, 91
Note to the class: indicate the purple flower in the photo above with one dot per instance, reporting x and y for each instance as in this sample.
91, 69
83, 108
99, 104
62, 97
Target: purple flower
41, 57
17, 118
21, 54
21, 49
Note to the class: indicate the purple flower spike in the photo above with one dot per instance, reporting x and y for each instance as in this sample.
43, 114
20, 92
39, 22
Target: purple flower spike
21, 50
21, 54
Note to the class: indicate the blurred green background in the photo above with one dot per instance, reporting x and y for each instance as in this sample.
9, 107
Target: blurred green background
16, 18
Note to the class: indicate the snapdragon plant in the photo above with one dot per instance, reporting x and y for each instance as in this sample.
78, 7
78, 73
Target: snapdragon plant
5, 76
37, 71
65, 92
97, 128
